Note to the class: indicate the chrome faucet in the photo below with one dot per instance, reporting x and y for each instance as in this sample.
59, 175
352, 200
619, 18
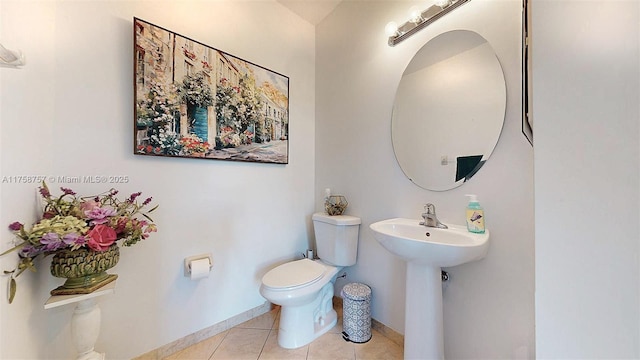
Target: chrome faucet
430, 218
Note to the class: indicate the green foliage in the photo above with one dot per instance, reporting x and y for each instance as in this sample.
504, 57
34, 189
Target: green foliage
12, 290
238, 108
167, 142
195, 90
158, 106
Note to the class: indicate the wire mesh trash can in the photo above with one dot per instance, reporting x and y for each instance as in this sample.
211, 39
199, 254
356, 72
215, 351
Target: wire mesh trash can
356, 312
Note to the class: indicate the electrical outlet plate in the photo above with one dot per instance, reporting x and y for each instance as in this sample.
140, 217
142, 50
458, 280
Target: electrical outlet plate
188, 260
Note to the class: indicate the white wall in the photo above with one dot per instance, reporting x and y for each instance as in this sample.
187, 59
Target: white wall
488, 305
69, 112
74, 98
585, 98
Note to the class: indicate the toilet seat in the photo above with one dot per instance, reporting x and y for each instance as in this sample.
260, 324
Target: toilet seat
294, 274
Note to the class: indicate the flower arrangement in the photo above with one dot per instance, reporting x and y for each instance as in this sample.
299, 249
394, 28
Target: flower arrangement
246, 137
168, 141
192, 145
206, 66
195, 90
228, 138
158, 106
70, 222
148, 149
189, 54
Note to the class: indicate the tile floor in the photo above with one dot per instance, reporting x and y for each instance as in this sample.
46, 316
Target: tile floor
256, 339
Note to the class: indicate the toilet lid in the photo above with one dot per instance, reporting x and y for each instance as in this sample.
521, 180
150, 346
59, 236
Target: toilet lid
292, 274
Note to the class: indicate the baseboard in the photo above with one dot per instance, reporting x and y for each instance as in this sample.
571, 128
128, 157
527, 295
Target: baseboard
191, 339
388, 332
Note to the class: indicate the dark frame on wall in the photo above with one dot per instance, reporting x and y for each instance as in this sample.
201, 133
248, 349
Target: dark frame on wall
527, 116
192, 100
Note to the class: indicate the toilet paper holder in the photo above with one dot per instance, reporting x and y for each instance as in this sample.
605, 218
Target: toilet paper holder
188, 260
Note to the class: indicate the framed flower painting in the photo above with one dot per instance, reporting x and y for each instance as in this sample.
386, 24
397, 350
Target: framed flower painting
195, 101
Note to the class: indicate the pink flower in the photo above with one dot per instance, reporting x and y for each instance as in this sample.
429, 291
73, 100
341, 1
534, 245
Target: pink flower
89, 205
51, 241
67, 191
74, 239
121, 225
44, 191
133, 196
15, 226
99, 215
101, 237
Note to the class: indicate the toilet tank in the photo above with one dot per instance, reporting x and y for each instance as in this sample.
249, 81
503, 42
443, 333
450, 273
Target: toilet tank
336, 238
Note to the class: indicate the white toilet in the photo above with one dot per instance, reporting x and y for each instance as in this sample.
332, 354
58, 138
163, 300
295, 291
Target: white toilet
304, 288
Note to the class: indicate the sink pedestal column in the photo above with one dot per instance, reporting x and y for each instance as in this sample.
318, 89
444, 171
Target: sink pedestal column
423, 329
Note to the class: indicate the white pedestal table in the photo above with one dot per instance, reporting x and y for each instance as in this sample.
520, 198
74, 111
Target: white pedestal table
85, 322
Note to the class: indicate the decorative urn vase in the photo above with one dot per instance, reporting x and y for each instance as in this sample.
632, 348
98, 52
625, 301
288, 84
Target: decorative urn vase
84, 269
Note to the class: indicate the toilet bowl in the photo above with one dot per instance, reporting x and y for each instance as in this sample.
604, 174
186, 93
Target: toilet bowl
304, 288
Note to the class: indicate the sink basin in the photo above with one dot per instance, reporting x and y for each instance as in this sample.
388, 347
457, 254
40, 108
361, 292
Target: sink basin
413, 242
426, 250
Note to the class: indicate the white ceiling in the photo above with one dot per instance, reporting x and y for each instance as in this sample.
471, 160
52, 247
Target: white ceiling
312, 11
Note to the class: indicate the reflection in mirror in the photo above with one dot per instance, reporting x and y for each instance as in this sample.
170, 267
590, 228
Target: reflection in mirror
449, 110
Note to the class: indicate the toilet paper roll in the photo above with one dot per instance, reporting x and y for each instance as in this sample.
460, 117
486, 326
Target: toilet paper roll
199, 269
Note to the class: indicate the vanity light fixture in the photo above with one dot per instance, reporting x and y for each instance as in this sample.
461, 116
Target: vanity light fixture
421, 19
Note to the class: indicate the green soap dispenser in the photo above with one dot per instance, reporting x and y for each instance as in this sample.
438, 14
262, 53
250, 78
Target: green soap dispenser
475, 216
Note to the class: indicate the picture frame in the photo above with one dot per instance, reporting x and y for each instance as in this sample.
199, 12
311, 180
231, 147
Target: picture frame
192, 100
527, 113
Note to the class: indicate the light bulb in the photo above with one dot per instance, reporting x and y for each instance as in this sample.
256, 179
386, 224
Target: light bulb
442, 3
391, 29
415, 14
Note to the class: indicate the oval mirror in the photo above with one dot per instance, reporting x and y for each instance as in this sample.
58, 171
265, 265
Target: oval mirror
449, 110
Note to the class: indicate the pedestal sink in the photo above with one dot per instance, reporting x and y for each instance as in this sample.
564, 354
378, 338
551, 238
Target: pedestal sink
426, 250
